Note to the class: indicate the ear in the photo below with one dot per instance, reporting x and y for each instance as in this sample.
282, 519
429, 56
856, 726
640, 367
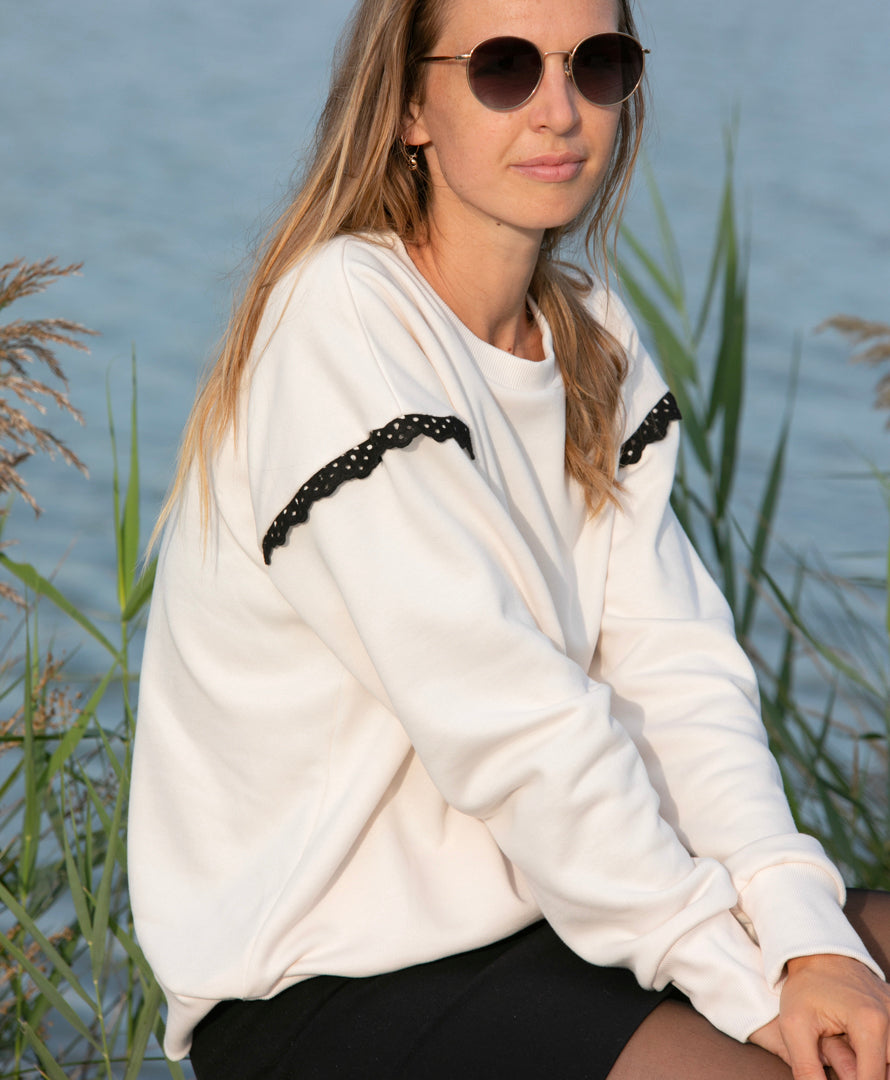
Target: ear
414, 130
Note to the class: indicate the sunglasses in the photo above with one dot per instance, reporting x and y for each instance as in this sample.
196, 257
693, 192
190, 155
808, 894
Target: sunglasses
505, 72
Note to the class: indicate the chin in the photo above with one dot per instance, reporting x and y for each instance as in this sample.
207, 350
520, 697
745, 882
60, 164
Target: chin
543, 221
556, 214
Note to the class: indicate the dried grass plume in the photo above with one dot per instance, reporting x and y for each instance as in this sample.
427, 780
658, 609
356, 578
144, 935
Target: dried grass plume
872, 339
24, 345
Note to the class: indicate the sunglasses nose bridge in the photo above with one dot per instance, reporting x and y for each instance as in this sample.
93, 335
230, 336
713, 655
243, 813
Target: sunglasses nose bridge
566, 62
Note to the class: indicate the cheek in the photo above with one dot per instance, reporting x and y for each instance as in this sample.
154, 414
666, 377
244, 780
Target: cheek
601, 131
608, 132
462, 146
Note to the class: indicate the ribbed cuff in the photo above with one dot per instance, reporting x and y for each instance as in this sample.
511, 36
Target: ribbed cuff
795, 910
719, 969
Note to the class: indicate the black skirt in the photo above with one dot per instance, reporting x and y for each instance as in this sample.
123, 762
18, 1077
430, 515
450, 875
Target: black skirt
525, 1007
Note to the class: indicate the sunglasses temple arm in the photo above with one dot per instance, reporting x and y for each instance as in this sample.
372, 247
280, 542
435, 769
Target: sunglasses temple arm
443, 59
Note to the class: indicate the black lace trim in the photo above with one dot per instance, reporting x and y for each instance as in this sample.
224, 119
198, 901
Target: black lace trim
653, 429
359, 462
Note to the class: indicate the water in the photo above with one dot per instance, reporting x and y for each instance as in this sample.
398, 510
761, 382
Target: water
149, 140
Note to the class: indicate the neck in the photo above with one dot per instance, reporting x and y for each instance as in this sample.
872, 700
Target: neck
485, 283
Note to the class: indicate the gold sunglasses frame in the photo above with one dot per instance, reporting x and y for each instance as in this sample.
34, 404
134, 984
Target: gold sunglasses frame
567, 68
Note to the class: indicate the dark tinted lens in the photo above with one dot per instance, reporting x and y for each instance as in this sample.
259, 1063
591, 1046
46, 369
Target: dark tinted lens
607, 68
504, 72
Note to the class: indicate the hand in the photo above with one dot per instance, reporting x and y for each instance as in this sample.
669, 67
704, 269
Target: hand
834, 1050
833, 1011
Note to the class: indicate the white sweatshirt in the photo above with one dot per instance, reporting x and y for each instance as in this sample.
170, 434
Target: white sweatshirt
450, 703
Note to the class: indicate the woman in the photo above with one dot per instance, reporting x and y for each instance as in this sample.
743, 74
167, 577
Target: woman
448, 764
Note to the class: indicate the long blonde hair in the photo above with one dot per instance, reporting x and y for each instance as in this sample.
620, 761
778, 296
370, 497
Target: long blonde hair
356, 180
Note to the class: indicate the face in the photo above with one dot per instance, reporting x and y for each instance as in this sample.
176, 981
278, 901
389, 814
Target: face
530, 169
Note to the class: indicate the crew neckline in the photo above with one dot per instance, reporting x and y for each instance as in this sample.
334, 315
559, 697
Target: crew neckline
496, 365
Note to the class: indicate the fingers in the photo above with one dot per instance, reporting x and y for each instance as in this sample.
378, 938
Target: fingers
834, 1011
860, 1057
803, 1044
838, 1055
869, 1038
811, 1055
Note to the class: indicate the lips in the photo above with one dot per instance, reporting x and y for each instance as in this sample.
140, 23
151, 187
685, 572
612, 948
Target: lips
552, 168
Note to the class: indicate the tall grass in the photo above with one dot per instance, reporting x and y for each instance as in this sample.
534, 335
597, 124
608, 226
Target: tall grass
77, 998
826, 702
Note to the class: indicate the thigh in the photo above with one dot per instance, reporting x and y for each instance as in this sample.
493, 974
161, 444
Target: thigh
677, 1043
869, 913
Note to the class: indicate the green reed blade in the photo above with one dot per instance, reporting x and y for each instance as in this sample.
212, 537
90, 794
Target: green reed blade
141, 592
115, 494
39, 584
118, 767
718, 254
89, 852
679, 364
49, 950
723, 545
128, 943
727, 275
47, 988
671, 290
70, 741
103, 896
30, 840
883, 478
838, 826
827, 653
887, 607
76, 888
52, 1069
769, 502
147, 1014
129, 522
95, 803
14, 774
669, 247
727, 387
175, 1069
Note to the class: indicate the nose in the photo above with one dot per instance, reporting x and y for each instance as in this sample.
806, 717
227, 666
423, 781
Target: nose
555, 104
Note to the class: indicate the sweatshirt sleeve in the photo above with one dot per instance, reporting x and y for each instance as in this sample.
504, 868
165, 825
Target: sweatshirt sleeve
415, 576
686, 693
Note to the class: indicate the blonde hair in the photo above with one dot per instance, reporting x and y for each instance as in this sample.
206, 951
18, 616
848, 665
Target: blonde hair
356, 180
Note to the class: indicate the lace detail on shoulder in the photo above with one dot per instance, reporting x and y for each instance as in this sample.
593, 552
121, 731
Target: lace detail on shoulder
359, 462
653, 429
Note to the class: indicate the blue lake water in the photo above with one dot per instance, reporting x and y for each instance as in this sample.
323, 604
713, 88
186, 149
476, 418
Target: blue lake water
150, 140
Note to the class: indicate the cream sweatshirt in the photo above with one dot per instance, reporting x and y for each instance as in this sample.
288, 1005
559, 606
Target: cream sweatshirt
406, 697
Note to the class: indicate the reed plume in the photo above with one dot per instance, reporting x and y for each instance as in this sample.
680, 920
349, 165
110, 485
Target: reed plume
24, 344
872, 339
